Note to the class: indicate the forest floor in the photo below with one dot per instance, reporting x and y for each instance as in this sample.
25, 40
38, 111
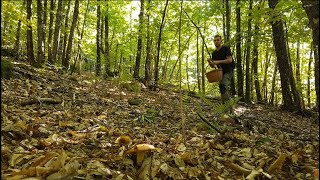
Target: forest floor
60, 126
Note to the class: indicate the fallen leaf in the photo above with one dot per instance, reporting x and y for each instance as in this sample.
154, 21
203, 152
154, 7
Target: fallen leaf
70, 168
277, 164
181, 147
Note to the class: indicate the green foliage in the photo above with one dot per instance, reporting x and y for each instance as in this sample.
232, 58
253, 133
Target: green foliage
6, 69
149, 116
131, 86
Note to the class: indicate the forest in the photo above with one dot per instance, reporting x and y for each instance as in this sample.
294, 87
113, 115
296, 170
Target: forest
117, 89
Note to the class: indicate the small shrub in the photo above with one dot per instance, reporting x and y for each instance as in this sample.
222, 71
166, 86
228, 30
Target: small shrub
6, 69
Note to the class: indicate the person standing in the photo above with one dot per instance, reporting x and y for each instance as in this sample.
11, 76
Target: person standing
222, 57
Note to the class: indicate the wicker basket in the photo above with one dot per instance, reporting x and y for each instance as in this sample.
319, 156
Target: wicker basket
214, 75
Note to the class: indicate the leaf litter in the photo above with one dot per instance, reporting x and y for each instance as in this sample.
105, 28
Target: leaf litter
94, 132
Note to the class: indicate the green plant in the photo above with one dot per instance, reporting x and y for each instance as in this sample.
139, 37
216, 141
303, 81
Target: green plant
6, 69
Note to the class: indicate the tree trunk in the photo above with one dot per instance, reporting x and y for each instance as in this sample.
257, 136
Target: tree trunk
227, 23
273, 86
203, 70
17, 42
71, 36
187, 72
139, 46
224, 19
50, 60
255, 64
309, 74
106, 41
312, 10
298, 74
283, 62
239, 60
264, 85
98, 41
156, 77
45, 17
77, 57
147, 68
198, 64
40, 31
295, 93
248, 51
30, 52
65, 35
56, 37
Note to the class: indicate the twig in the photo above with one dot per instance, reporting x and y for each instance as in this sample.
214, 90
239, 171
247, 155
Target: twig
206, 121
40, 101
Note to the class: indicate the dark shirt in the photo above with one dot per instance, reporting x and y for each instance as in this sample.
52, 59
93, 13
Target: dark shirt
222, 54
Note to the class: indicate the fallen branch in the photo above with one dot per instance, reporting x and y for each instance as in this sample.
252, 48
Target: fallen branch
207, 122
41, 101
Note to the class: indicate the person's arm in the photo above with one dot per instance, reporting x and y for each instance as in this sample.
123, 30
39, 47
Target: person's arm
228, 60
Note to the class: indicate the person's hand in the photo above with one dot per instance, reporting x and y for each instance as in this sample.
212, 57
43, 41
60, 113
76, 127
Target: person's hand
212, 63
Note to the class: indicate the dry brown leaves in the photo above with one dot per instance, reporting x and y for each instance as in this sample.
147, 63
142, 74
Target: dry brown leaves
88, 134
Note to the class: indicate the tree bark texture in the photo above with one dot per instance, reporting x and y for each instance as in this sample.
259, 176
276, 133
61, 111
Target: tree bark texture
156, 77
52, 5
238, 53
312, 9
273, 84
147, 68
139, 45
255, 64
71, 36
65, 35
106, 41
248, 56
283, 62
98, 41
56, 36
30, 52
40, 31
17, 42
309, 74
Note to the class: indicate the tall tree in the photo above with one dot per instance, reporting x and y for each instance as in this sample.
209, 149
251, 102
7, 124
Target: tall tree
139, 45
238, 53
248, 53
78, 55
312, 10
30, 52
65, 34
273, 83
106, 41
285, 69
17, 42
156, 77
40, 31
298, 70
255, 64
228, 22
198, 64
45, 17
98, 41
56, 37
203, 70
52, 4
309, 74
147, 68
71, 35
264, 85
